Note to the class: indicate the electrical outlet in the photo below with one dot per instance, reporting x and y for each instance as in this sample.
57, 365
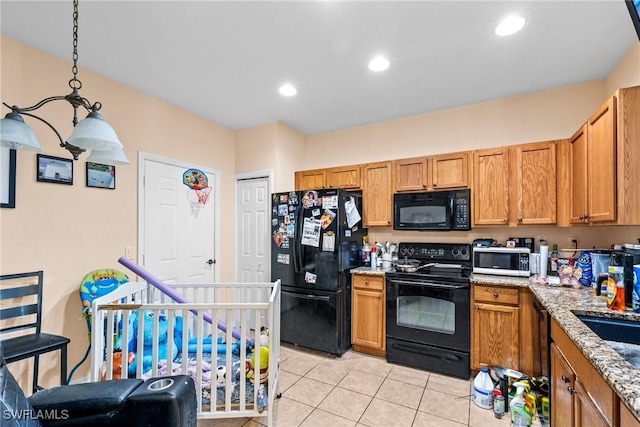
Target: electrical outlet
573, 242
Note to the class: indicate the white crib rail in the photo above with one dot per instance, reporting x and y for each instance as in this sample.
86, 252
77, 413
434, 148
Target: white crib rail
244, 307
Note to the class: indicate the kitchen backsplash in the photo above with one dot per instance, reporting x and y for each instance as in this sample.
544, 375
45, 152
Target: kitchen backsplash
588, 237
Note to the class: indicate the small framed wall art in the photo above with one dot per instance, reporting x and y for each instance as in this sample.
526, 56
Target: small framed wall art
55, 169
101, 176
7, 178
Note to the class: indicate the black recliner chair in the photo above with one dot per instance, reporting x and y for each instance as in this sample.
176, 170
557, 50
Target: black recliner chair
165, 401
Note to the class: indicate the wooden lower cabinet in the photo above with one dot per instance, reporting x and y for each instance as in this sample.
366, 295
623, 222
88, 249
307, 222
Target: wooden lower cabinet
368, 314
627, 419
495, 336
501, 333
579, 395
562, 384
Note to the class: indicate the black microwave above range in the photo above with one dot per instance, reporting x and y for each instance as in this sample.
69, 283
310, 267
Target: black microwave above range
432, 210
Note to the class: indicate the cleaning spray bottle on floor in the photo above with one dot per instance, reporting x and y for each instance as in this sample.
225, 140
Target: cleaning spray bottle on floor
522, 406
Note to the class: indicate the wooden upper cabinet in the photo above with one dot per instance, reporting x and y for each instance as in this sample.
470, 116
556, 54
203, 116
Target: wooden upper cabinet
490, 195
515, 185
310, 179
377, 193
578, 175
535, 186
601, 143
411, 174
344, 177
590, 184
449, 171
431, 173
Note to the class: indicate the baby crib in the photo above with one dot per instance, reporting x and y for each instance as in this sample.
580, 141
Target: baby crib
214, 338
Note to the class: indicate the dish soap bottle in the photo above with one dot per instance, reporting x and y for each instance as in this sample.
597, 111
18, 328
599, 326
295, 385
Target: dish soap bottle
520, 407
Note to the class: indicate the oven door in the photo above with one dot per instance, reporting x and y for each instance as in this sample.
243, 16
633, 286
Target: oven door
433, 312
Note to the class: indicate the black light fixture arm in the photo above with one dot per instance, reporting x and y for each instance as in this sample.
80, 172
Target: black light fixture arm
75, 151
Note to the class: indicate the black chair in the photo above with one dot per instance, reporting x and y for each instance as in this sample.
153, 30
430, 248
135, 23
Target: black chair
158, 402
21, 302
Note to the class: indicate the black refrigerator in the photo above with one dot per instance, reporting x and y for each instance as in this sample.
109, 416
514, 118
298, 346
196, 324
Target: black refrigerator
316, 241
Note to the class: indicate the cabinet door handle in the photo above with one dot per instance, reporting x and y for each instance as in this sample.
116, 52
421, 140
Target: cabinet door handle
424, 185
571, 390
520, 220
477, 308
435, 184
495, 295
366, 282
587, 216
565, 379
379, 296
581, 216
506, 220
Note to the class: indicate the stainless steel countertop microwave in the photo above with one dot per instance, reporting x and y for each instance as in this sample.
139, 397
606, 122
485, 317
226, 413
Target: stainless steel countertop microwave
432, 210
502, 261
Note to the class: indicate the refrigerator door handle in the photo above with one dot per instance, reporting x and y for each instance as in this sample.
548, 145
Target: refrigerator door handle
297, 241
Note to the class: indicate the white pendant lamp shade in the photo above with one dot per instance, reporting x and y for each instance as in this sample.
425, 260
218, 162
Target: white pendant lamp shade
93, 133
17, 135
108, 157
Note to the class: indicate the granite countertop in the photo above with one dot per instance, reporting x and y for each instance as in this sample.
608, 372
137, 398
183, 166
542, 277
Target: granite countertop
563, 304
371, 271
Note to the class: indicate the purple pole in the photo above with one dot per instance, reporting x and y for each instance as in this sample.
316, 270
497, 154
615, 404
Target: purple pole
154, 281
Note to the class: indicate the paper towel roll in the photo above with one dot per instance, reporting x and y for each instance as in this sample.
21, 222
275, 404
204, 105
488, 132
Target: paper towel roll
544, 258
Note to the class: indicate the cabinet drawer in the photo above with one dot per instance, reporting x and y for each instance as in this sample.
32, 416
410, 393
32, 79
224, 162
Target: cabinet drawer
368, 282
496, 294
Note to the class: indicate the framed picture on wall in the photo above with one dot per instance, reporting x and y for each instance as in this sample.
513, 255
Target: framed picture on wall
55, 169
7, 178
101, 176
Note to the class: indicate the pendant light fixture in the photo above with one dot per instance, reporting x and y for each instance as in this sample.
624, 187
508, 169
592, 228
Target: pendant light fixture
92, 133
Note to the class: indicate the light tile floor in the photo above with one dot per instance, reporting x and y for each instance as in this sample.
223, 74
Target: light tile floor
321, 390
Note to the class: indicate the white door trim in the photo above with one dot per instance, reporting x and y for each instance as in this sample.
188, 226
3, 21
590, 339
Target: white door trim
241, 176
142, 157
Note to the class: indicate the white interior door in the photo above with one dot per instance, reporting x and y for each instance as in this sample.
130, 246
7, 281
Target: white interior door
253, 259
177, 239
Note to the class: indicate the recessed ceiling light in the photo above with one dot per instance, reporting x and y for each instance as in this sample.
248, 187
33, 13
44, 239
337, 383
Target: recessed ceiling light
287, 90
510, 25
379, 64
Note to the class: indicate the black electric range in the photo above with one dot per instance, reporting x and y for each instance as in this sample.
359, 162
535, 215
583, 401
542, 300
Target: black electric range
428, 311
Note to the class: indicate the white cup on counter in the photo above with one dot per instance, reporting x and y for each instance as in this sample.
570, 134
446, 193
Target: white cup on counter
386, 260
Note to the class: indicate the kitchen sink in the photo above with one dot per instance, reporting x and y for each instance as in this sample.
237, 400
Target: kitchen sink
622, 335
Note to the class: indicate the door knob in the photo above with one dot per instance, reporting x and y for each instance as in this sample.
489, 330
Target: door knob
211, 261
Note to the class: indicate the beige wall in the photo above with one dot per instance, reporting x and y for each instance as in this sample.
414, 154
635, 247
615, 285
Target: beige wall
276, 147
68, 231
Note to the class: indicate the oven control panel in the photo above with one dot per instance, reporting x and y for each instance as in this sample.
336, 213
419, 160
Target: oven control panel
435, 251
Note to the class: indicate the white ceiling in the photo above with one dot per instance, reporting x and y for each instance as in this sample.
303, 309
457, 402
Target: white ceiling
226, 60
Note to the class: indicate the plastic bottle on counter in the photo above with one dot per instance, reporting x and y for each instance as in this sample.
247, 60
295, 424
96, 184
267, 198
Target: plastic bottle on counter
374, 256
615, 289
366, 254
483, 389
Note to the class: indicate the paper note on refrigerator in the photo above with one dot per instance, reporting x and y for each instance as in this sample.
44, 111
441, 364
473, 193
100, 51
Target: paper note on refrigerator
353, 216
329, 241
311, 232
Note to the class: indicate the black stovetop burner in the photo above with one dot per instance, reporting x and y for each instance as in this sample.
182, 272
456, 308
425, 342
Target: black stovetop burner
438, 259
